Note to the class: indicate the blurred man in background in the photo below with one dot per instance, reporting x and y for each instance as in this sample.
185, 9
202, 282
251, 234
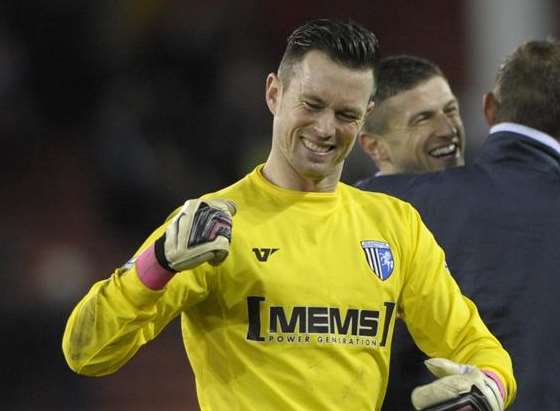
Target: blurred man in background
416, 126
498, 221
299, 316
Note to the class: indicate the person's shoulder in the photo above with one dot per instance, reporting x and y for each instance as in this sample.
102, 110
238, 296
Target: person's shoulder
359, 194
374, 201
401, 185
393, 183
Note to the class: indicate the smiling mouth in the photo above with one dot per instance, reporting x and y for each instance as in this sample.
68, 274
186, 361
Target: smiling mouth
447, 150
317, 148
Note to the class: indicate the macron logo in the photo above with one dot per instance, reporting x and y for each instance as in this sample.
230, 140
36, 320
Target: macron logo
262, 254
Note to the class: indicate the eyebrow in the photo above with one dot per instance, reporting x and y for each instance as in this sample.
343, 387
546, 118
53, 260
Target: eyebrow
452, 101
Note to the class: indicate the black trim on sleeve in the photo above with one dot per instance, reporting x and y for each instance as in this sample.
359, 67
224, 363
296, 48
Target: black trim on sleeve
159, 249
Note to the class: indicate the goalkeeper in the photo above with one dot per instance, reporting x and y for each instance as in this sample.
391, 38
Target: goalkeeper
288, 281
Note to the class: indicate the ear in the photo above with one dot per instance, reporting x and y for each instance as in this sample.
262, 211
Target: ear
273, 92
490, 106
374, 147
370, 107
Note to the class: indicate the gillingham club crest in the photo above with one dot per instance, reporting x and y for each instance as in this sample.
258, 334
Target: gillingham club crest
379, 258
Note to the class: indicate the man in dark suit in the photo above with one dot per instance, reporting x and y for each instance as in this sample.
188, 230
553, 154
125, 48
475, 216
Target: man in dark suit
499, 223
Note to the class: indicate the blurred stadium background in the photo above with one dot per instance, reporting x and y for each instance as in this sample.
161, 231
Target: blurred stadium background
113, 112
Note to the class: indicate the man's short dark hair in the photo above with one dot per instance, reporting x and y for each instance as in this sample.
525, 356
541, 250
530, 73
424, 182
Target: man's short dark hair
347, 43
397, 74
528, 87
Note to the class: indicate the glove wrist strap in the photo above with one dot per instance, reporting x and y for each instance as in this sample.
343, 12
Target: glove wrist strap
494, 377
150, 271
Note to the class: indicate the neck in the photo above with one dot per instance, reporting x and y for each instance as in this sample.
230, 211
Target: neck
386, 169
286, 176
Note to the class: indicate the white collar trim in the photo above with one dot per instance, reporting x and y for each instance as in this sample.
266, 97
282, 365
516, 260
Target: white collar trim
535, 134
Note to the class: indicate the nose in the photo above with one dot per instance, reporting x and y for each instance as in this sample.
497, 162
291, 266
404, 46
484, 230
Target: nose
325, 126
445, 126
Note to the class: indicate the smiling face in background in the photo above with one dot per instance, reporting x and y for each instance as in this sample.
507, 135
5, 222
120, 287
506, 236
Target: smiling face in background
317, 115
422, 132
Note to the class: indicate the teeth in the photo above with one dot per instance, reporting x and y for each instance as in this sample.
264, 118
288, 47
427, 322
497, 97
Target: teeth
316, 147
444, 150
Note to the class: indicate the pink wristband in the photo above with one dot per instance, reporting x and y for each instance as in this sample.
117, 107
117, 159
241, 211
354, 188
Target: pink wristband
498, 382
149, 271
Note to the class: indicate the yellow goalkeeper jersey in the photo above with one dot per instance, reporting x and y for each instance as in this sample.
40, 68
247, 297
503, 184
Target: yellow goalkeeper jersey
300, 315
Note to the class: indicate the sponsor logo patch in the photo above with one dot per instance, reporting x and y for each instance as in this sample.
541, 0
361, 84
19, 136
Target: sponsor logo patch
304, 324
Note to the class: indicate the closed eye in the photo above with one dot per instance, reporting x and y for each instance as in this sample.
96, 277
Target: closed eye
348, 116
421, 117
451, 109
312, 106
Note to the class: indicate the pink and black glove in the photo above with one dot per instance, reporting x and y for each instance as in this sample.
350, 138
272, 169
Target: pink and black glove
200, 232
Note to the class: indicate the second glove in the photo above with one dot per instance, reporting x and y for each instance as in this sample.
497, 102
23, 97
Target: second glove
454, 380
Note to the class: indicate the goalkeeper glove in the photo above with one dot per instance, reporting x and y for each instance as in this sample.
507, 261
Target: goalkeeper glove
454, 381
200, 232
